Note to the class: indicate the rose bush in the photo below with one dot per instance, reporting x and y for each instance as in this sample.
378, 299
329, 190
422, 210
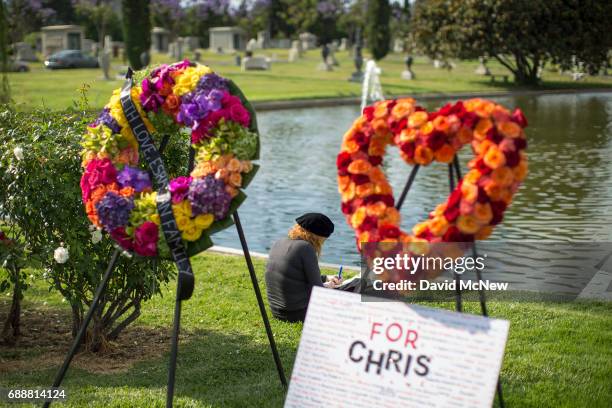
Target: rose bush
40, 177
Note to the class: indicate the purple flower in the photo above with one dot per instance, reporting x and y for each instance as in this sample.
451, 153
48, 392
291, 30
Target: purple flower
114, 210
107, 120
208, 195
179, 187
210, 82
132, 177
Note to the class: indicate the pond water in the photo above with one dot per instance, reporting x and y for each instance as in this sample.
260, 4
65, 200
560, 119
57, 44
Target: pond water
566, 196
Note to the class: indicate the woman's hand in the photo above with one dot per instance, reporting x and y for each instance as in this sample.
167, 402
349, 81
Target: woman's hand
333, 282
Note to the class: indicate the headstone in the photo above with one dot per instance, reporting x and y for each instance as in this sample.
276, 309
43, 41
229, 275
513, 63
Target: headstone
104, 58
255, 64
191, 43
197, 56
145, 58
390, 353
357, 76
343, 44
325, 65
437, 63
309, 41
482, 68
179, 49
263, 39
331, 58
407, 74
252, 45
398, 45
24, 52
294, 52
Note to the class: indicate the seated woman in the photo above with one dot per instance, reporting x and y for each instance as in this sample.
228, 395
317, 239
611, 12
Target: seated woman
293, 267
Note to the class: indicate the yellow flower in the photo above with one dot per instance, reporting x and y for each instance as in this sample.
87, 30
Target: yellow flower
182, 222
183, 208
188, 80
192, 234
155, 218
467, 224
203, 221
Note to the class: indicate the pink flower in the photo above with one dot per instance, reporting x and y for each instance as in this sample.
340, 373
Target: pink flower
119, 235
96, 173
146, 239
239, 114
179, 187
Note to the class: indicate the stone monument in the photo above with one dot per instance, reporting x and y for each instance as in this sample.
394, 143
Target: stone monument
357, 76
294, 52
482, 68
407, 74
104, 58
325, 65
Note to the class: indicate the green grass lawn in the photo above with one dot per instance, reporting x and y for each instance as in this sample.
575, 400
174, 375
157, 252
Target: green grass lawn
558, 355
285, 81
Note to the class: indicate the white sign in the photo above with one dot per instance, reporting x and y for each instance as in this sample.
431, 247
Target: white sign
385, 354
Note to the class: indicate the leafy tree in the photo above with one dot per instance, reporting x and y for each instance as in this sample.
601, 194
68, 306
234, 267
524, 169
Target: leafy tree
41, 196
523, 35
5, 89
378, 30
136, 30
25, 16
99, 13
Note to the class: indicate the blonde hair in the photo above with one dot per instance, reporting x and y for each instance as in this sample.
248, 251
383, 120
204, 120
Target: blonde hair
297, 232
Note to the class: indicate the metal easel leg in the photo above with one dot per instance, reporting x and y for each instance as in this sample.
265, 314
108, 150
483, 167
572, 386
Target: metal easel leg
262, 309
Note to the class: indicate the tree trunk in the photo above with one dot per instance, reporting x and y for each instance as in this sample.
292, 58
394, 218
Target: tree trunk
11, 329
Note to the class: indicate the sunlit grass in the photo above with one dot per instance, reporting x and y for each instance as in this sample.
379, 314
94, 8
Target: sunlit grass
557, 354
285, 81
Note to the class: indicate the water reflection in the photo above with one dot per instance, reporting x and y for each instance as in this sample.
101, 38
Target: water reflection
565, 198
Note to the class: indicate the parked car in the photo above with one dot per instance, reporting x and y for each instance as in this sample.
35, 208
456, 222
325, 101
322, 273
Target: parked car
17, 66
71, 59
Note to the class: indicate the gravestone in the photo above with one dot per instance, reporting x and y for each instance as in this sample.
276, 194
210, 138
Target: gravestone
407, 74
309, 41
24, 52
263, 39
482, 68
325, 65
197, 55
357, 76
145, 58
331, 58
252, 45
343, 45
398, 45
255, 64
104, 58
295, 52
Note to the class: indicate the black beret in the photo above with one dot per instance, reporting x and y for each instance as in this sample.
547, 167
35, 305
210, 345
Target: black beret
316, 223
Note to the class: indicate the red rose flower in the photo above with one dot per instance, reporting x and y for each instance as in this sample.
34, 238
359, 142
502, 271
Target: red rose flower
512, 158
239, 114
369, 223
347, 208
119, 235
375, 160
360, 178
493, 135
368, 112
518, 118
435, 140
389, 231
454, 235
520, 143
498, 208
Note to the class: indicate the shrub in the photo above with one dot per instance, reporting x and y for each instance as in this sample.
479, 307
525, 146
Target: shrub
41, 195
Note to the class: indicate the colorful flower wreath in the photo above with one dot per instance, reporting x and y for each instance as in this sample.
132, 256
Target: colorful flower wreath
478, 202
116, 187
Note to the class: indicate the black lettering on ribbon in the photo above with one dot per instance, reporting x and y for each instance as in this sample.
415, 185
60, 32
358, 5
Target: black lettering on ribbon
161, 181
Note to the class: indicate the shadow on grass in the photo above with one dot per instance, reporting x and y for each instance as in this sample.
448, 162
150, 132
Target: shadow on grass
214, 369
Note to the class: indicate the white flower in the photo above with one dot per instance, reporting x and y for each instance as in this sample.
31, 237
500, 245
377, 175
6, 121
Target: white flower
18, 152
60, 255
96, 236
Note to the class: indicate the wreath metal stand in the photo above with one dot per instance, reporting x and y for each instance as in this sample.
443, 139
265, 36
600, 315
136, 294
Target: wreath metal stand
184, 289
455, 170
